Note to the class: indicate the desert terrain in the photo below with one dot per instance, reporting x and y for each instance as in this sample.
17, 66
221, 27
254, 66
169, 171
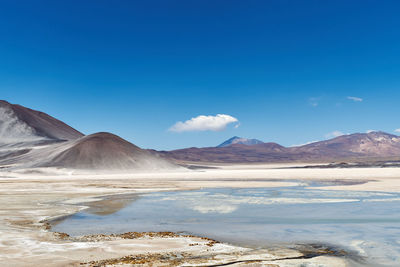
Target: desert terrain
30, 199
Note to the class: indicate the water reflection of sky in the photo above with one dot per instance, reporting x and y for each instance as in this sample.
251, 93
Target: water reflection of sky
368, 222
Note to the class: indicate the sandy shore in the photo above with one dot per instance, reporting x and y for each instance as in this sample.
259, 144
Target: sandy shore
29, 199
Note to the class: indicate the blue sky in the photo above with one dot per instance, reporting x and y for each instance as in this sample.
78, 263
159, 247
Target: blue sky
283, 69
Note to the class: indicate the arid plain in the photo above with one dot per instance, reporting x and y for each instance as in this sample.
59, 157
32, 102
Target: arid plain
30, 199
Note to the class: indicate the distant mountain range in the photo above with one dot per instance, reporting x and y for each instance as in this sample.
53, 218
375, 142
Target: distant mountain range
30, 138
352, 146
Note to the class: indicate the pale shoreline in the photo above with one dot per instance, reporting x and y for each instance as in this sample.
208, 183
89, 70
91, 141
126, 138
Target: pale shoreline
29, 199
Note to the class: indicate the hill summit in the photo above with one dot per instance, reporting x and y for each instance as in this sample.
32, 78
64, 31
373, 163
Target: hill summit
240, 141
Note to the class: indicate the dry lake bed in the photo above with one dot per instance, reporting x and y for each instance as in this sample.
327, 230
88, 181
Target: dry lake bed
257, 215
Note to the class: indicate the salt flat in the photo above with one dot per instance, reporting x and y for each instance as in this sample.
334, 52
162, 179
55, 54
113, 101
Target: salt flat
28, 199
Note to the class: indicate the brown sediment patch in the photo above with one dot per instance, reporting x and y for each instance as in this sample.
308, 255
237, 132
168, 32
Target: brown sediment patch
46, 225
133, 235
172, 259
157, 259
168, 259
137, 235
61, 235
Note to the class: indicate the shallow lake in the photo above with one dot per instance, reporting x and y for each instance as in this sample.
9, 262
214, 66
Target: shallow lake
367, 223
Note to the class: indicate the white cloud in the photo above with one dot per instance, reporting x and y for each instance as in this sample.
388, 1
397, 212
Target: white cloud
355, 99
334, 134
204, 123
397, 130
371, 131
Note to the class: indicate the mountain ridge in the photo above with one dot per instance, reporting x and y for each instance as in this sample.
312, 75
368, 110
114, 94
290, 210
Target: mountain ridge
357, 145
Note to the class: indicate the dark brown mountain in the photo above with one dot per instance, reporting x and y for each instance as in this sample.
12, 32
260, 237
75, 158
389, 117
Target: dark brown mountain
104, 151
19, 124
354, 146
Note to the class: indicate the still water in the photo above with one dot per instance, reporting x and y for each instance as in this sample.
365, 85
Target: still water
367, 223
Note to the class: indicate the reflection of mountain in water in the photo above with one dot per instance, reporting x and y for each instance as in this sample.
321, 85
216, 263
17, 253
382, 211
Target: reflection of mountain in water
110, 205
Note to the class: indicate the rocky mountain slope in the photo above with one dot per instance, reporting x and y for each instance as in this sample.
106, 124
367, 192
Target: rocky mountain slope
20, 124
